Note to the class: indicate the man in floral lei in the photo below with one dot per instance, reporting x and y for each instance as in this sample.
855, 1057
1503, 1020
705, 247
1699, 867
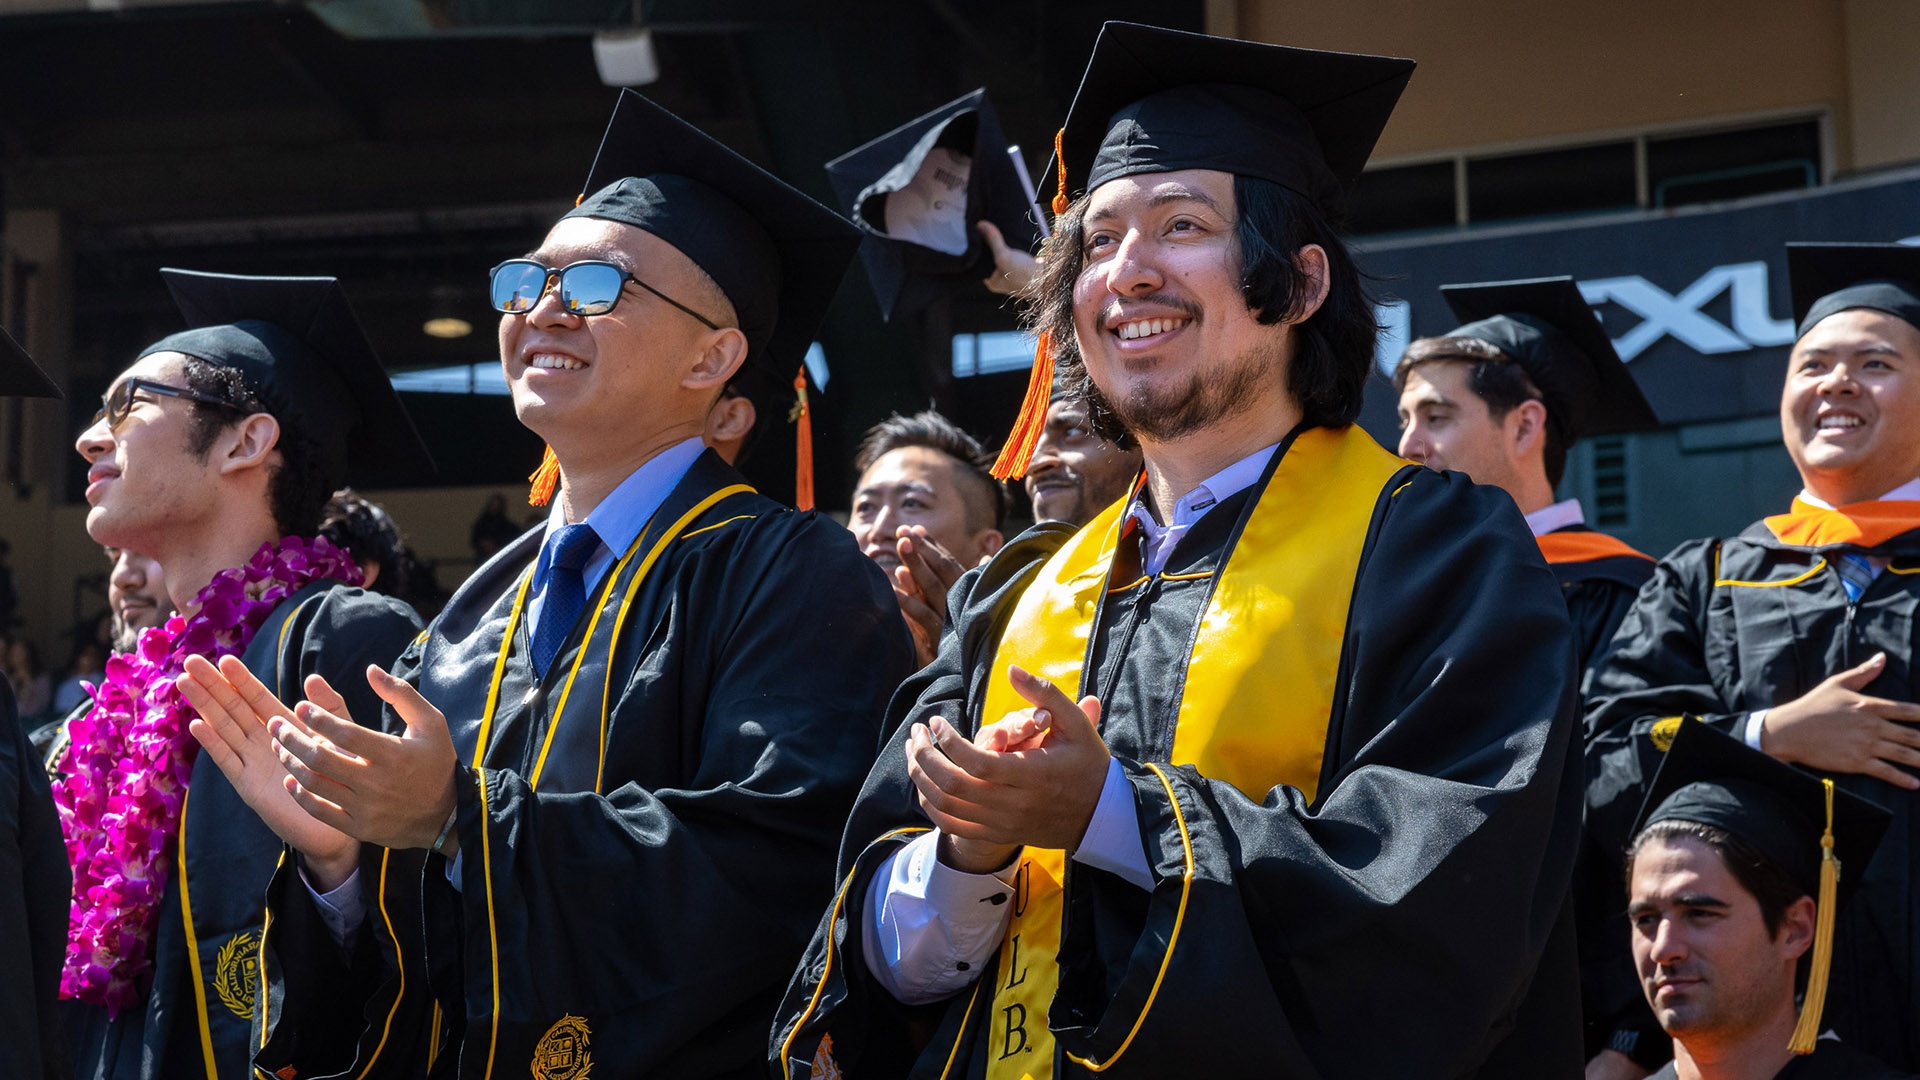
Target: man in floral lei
213, 454
33, 872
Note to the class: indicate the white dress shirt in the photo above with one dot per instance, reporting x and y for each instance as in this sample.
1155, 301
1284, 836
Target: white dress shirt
1556, 517
929, 926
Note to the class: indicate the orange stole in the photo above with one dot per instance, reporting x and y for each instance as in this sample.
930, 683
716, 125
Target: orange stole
1576, 546
1259, 690
1865, 524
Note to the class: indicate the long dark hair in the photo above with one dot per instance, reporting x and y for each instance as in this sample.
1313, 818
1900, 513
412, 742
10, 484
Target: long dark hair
1333, 350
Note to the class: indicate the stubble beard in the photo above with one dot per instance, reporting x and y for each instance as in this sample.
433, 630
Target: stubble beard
1163, 415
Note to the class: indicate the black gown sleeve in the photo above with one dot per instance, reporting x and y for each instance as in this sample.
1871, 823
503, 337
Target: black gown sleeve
831, 991
695, 900
1416, 895
34, 885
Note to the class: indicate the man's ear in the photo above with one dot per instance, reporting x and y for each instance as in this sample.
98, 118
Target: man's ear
730, 419
1311, 261
249, 444
721, 354
991, 541
1797, 927
1526, 425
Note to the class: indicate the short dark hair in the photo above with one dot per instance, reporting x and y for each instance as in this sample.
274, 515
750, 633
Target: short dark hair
1334, 346
366, 532
988, 502
1770, 885
296, 488
1494, 378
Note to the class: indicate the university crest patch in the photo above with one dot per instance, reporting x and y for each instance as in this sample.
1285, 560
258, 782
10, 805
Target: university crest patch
562, 1053
236, 972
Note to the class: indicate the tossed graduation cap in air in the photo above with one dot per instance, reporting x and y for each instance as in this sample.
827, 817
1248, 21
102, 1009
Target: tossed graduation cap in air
299, 338
1799, 822
778, 255
916, 194
1547, 327
1155, 100
19, 375
1827, 279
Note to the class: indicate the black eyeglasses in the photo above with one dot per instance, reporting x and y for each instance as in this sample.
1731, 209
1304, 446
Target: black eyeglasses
586, 288
117, 402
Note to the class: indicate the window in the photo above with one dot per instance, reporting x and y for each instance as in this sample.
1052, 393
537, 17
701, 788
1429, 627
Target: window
1610, 488
1650, 171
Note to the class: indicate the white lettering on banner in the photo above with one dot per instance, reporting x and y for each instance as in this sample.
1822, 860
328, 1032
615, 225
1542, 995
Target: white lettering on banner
1680, 315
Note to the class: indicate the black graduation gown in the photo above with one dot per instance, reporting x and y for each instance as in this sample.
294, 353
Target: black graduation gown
1728, 627
641, 913
1392, 927
34, 886
327, 629
1830, 1060
1600, 588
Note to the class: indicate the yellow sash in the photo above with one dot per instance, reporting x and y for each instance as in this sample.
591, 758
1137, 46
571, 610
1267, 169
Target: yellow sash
1259, 688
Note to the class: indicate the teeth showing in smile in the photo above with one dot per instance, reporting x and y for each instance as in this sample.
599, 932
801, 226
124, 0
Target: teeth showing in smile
1840, 422
1133, 331
554, 361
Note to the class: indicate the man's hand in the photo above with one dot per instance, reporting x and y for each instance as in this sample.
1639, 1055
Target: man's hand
234, 712
386, 790
926, 571
1012, 270
992, 802
1613, 1065
1836, 728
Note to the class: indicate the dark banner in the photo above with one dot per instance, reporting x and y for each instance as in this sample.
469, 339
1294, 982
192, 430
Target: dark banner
1695, 299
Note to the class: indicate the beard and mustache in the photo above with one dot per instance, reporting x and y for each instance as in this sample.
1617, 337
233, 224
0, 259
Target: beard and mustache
1167, 413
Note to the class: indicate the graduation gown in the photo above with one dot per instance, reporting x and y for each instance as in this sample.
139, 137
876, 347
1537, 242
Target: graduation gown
1599, 576
198, 1017
1392, 925
34, 886
646, 833
1728, 627
1830, 1060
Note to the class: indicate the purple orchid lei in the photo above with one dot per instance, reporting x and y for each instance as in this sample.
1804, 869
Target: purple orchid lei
131, 756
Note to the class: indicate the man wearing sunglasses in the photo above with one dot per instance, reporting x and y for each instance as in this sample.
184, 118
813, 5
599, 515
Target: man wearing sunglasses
633, 736
213, 454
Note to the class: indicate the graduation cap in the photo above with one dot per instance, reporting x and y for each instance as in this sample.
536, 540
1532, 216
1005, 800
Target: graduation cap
1827, 279
1800, 823
1155, 100
19, 375
777, 254
299, 338
917, 192
1547, 327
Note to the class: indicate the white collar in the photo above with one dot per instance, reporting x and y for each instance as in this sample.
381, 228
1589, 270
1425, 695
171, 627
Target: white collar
1558, 516
1909, 491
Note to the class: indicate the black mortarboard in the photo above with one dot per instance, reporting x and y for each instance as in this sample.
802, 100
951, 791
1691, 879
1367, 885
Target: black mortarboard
1830, 278
917, 192
1712, 778
1548, 328
777, 254
299, 338
19, 375
1155, 100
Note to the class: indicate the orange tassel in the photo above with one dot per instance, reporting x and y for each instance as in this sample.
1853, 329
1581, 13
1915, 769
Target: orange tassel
803, 444
545, 479
1060, 200
1018, 451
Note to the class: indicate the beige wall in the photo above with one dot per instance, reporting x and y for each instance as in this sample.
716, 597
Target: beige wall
1883, 41
1512, 71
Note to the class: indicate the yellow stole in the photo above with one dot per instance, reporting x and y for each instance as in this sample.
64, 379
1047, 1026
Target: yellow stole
1259, 690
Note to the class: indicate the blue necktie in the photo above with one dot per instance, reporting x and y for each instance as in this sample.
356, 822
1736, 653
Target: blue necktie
1856, 573
566, 551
